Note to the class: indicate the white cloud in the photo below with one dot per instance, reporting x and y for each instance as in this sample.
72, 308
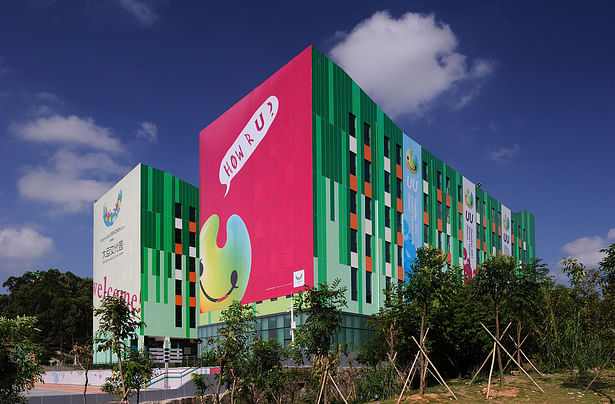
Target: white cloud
148, 131
504, 154
67, 129
23, 243
141, 10
587, 249
48, 97
406, 63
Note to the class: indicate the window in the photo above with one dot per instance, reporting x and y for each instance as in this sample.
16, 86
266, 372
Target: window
499, 219
192, 317
425, 202
399, 255
386, 146
192, 214
368, 245
353, 163
439, 240
387, 182
353, 284
353, 240
388, 286
425, 177
178, 287
387, 251
484, 209
368, 287
368, 208
461, 249
366, 134
352, 126
387, 216
353, 201
426, 234
448, 185
448, 215
178, 209
368, 170
459, 193
398, 153
192, 239
398, 217
192, 265
460, 220
192, 289
439, 180
492, 215
178, 236
448, 243
398, 183
178, 316
439, 210
178, 261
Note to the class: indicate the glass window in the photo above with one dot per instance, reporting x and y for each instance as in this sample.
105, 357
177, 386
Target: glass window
398, 153
439, 210
439, 240
386, 146
459, 193
426, 234
448, 215
368, 287
398, 216
178, 209
460, 220
461, 249
425, 202
387, 182
366, 134
368, 208
399, 255
425, 176
178, 316
353, 163
353, 240
368, 245
387, 251
178, 236
398, 183
368, 170
448, 185
387, 216
192, 239
353, 201
192, 214
439, 180
352, 125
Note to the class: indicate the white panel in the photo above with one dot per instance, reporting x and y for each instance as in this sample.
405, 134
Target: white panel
387, 165
425, 187
470, 218
387, 199
524, 246
387, 234
388, 269
493, 250
192, 252
178, 274
354, 259
478, 218
352, 144
178, 223
448, 229
368, 226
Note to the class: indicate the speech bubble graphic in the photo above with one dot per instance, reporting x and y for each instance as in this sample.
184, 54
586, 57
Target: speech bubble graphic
247, 141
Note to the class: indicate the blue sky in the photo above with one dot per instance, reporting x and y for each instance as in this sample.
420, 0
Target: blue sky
519, 96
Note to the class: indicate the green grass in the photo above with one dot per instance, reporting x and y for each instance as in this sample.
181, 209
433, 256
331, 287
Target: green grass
559, 388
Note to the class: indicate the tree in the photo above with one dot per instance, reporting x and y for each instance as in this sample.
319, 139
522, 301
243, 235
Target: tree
493, 282
322, 307
117, 324
429, 286
138, 370
524, 295
83, 357
230, 350
607, 267
267, 378
18, 365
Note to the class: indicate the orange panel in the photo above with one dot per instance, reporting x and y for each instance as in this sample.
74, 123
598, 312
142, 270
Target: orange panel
478, 243
499, 252
459, 207
448, 200
400, 238
439, 195
500, 231
426, 218
354, 221
368, 264
400, 205
448, 257
439, 224
192, 227
398, 167
485, 222
492, 227
178, 300
178, 248
460, 235
368, 152
512, 238
353, 182
400, 273
193, 302
368, 189
485, 246
192, 277
477, 268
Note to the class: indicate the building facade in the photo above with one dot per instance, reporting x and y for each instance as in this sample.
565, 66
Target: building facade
146, 251
306, 180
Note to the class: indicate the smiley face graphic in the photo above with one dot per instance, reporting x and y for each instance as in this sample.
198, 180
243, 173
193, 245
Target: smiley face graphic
469, 196
225, 271
411, 161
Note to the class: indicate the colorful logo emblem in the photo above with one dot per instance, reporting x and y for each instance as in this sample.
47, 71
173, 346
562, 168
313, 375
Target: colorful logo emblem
411, 161
109, 216
506, 222
469, 197
225, 271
